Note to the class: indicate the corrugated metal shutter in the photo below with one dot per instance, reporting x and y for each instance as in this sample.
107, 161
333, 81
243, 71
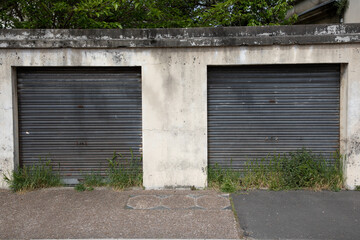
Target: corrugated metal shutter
78, 117
254, 111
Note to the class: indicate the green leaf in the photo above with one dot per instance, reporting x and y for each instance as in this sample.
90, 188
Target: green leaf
142, 13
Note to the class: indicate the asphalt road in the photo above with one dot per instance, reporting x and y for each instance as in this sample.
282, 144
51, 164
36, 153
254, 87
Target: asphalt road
299, 214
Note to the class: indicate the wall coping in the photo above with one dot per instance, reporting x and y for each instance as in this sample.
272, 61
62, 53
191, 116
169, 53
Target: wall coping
180, 37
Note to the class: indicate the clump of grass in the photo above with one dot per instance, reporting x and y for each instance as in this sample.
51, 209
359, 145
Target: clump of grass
123, 172
301, 169
80, 187
94, 180
304, 169
90, 181
226, 180
37, 176
357, 188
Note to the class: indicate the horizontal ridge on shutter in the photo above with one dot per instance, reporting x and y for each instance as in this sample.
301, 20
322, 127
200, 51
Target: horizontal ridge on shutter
78, 116
255, 111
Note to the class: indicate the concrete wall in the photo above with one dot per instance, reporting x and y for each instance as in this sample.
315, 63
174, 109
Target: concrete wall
174, 88
304, 5
324, 11
352, 12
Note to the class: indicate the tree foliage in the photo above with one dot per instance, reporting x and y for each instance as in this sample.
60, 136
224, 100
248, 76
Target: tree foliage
141, 13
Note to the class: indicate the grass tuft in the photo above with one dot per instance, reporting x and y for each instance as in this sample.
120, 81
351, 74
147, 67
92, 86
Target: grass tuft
94, 180
80, 187
90, 181
123, 173
226, 180
35, 177
301, 169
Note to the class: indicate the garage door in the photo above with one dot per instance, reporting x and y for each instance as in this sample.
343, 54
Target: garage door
78, 117
254, 111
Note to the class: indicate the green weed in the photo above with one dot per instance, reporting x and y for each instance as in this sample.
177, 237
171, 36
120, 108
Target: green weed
301, 169
94, 180
123, 173
225, 179
357, 188
30, 178
80, 187
90, 181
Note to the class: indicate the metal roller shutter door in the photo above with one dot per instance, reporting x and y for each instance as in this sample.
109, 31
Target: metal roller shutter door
258, 110
78, 117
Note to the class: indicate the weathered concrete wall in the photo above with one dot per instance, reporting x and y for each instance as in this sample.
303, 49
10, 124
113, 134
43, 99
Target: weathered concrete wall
304, 5
352, 12
174, 92
180, 37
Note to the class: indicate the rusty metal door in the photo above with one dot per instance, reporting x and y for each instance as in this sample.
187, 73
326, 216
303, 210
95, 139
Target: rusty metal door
78, 117
254, 111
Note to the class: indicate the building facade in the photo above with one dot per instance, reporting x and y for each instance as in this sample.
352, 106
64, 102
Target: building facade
326, 11
183, 98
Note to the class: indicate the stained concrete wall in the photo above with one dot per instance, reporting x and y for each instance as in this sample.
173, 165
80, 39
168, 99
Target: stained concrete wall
352, 12
305, 5
174, 95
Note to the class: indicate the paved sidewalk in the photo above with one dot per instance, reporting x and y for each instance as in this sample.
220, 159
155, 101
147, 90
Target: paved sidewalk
105, 213
299, 214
